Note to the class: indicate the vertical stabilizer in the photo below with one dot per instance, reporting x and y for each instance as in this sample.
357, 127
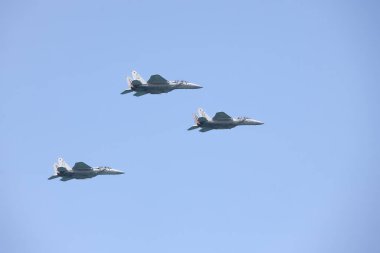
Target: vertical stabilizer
129, 81
202, 113
195, 119
136, 76
60, 164
55, 169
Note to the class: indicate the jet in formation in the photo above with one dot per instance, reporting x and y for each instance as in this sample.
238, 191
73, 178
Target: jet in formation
80, 171
155, 85
220, 121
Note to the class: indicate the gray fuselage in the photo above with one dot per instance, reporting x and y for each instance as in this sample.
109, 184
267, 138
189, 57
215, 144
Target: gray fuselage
88, 173
228, 124
164, 87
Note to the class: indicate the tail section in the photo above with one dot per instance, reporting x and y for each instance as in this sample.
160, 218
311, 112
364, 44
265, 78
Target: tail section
198, 120
196, 123
129, 81
136, 76
135, 81
60, 166
203, 114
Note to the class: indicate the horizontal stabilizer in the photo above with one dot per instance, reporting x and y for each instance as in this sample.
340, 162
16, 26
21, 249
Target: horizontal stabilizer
126, 91
52, 177
81, 166
221, 116
157, 79
205, 130
192, 128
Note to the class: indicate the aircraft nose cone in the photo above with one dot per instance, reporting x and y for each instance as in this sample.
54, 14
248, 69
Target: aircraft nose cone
196, 86
255, 122
117, 172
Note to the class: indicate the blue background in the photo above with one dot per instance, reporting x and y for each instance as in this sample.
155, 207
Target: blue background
305, 181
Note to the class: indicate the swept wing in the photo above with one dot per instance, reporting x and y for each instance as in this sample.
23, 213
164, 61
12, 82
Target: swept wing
81, 166
222, 116
157, 79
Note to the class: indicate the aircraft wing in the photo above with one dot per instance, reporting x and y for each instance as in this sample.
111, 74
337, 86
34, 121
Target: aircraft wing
157, 79
220, 116
205, 129
81, 166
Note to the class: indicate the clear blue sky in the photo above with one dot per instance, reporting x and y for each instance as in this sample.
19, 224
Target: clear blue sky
305, 181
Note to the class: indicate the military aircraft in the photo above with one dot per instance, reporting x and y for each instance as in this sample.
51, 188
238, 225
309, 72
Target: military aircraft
79, 171
220, 121
155, 85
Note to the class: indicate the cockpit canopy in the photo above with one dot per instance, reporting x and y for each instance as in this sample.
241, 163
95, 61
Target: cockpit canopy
104, 168
181, 82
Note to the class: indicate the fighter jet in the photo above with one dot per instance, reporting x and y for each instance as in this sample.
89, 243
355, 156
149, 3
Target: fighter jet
220, 121
155, 85
79, 171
